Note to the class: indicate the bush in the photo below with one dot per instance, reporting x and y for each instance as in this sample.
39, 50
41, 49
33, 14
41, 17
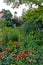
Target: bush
2, 22
9, 23
33, 25
25, 53
11, 34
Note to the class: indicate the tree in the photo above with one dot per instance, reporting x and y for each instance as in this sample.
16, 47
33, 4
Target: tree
7, 14
17, 2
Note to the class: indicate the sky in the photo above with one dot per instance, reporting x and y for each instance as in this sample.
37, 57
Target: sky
18, 10
8, 7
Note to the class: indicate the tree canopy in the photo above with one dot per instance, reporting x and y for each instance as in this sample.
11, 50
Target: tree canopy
17, 2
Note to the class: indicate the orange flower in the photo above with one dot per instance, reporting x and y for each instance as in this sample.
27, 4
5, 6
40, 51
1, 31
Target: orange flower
16, 43
1, 41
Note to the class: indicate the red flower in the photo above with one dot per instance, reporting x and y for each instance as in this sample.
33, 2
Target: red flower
1, 56
7, 49
23, 55
16, 43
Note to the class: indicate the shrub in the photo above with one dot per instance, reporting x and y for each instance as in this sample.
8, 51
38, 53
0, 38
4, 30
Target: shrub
33, 25
2, 22
11, 34
9, 23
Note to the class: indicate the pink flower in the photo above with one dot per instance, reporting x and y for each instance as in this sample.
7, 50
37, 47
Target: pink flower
1, 15
11, 55
1, 56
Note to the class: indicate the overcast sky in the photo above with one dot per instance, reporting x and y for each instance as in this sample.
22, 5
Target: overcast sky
19, 9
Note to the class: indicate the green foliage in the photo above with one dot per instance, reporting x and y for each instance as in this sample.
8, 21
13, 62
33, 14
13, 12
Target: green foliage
2, 22
37, 2
26, 43
35, 55
7, 14
33, 19
16, 3
33, 15
23, 45
9, 23
33, 25
10, 34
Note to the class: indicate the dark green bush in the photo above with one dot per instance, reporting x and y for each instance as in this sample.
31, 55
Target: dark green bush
33, 25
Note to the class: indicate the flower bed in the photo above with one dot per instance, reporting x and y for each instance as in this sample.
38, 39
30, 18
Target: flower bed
14, 53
